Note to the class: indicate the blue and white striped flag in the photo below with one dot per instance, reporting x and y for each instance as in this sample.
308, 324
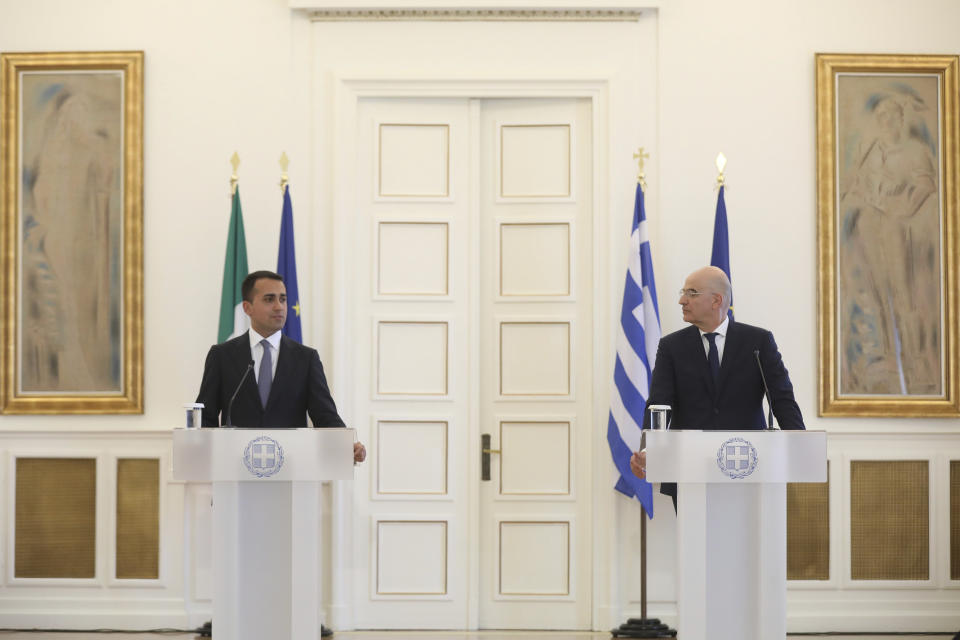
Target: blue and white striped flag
638, 335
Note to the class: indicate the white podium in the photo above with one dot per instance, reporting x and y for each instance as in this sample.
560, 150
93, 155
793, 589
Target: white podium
266, 522
732, 524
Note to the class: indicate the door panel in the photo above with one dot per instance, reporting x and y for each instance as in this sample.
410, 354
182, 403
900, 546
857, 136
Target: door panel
472, 256
536, 222
411, 363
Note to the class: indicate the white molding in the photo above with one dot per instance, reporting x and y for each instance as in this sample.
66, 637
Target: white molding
349, 87
121, 612
473, 14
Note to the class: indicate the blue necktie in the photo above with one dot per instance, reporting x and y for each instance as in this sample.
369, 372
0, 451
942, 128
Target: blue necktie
713, 355
264, 379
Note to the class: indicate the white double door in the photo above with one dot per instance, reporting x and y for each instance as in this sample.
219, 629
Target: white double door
471, 311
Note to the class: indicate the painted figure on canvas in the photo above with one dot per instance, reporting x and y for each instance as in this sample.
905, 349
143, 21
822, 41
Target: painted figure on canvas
889, 253
70, 324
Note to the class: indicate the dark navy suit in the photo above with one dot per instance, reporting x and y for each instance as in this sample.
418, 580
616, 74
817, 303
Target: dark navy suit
299, 388
681, 378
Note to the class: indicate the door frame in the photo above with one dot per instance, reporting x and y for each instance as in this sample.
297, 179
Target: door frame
348, 90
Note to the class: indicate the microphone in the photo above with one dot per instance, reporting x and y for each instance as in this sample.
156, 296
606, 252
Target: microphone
242, 379
766, 391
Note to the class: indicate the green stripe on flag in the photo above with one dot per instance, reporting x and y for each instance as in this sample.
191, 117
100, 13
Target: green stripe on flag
234, 271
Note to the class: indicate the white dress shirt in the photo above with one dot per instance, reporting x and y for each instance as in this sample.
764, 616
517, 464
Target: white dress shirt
721, 338
256, 350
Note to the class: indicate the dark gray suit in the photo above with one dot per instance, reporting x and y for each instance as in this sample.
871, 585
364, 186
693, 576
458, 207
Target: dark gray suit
299, 387
681, 378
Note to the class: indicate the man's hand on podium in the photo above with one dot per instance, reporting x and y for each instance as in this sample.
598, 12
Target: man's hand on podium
359, 452
638, 464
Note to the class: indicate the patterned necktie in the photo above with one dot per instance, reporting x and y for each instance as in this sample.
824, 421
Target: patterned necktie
264, 379
713, 355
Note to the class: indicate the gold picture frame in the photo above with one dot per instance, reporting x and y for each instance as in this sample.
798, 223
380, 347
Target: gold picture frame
71, 219
887, 223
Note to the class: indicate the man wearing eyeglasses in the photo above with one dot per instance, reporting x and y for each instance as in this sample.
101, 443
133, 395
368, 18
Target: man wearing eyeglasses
708, 372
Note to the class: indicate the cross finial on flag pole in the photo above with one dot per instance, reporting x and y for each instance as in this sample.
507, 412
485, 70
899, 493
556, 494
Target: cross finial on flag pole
640, 156
235, 163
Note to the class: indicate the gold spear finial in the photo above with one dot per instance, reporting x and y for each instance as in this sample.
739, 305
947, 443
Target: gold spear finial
235, 163
721, 164
284, 165
640, 156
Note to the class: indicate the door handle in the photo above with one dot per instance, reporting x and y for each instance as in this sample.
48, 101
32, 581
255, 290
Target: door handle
485, 452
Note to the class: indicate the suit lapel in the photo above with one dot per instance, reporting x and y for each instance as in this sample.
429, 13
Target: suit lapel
241, 357
731, 344
694, 344
284, 364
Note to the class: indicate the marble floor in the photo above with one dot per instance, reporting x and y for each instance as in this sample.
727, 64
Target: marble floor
415, 635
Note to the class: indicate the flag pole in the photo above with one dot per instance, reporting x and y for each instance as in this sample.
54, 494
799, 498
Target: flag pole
286, 257
720, 252
721, 164
233, 321
284, 165
643, 627
234, 180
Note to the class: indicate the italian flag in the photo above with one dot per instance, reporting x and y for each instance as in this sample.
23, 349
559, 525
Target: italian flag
233, 321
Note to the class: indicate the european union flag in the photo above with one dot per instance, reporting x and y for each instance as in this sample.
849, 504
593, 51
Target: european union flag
287, 268
638, 334
720, 256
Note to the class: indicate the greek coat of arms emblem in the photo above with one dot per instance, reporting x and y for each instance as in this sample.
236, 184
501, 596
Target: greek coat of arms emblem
737, 458
263, 456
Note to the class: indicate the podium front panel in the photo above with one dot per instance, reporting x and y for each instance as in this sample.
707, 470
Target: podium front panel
262, 455
266, 522
731, 524
686, 455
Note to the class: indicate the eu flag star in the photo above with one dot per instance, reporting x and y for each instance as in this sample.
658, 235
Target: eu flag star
296, 308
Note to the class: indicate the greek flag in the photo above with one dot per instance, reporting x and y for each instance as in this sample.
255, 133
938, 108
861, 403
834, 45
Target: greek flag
638, 334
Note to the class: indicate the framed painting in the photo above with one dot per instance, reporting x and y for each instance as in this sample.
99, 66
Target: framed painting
887, 235
71, 224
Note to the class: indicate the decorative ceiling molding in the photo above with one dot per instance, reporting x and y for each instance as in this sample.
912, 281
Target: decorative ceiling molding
450, 14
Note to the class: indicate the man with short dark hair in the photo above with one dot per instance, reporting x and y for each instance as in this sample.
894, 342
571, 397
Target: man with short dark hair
287, 381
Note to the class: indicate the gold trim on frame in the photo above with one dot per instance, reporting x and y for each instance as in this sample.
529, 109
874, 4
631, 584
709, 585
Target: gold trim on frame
831, 403
130, 397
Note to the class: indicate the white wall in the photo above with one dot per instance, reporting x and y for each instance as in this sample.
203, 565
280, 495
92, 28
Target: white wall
738, 77
220, 76
223, 75
237, 75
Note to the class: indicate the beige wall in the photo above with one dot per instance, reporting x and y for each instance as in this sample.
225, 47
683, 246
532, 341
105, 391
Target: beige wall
241, 75
220, 76
226, 75
236, 75
738, 77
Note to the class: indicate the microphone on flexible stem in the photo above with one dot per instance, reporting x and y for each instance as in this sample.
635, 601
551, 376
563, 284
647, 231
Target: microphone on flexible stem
766, 391
242, 379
